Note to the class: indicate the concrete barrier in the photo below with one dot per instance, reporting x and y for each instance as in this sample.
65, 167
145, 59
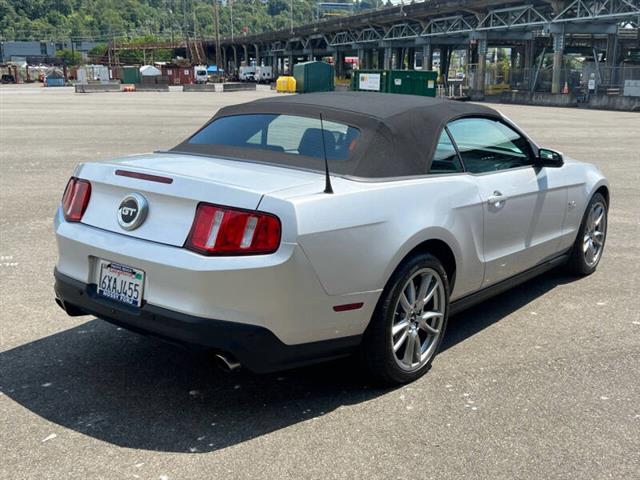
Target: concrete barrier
600, 102
152, 88
199, 87
97, 88
608, 102
539, 98
238, 87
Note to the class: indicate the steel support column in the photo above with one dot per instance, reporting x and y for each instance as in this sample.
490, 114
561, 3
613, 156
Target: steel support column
255, 45
411, 58
427, 57
399, 58
387, 59
362, 61
235, 57
245, 51
482, 62
558, 62
338, 63
224, 60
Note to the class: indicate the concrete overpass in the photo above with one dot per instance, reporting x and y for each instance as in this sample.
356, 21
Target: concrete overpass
394, 37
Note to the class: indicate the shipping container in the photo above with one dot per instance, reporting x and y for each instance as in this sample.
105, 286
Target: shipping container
178, 75
314, 77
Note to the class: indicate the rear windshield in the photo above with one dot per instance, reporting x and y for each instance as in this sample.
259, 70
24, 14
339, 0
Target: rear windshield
288, 134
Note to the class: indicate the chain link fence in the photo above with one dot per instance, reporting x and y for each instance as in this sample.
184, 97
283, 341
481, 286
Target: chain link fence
590, 77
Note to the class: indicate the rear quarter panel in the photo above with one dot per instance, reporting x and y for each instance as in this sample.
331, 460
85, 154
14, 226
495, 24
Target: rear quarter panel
356, 237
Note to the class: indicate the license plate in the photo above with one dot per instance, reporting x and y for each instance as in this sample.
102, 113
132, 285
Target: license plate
120, 283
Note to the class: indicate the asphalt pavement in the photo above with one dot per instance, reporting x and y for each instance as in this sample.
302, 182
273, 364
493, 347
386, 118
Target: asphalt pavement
542, 382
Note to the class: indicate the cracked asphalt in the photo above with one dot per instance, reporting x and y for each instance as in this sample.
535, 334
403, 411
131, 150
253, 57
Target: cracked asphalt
540, 382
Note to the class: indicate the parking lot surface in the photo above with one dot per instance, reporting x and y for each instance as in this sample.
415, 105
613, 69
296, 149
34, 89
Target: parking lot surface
540, 382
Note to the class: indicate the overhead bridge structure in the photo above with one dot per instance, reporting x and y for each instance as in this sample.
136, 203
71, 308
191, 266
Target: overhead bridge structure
405, 36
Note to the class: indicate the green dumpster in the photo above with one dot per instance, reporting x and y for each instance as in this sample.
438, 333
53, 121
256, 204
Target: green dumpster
130, 74
314, 77
409, 82
413, 82
370, 81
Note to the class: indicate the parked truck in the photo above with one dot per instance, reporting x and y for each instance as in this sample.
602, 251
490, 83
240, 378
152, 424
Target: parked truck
247, 74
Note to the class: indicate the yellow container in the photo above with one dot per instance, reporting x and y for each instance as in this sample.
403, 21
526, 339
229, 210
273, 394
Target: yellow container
286, 85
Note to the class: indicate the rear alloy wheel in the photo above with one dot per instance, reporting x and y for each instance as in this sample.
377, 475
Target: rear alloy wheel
409, 323
589, 243
418, 319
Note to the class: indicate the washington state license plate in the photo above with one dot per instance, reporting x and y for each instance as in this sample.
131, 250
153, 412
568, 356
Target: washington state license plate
120, 283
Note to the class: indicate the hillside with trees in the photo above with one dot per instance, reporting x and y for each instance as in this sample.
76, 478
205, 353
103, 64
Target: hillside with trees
102, 20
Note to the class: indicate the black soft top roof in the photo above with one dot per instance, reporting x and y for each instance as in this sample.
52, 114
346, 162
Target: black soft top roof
398, 133
383, 106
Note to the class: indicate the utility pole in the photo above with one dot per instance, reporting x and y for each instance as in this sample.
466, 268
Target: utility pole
171, 22
216, 26
231, 8
185, 32
291, 14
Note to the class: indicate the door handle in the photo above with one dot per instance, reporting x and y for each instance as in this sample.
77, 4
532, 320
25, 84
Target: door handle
497, 199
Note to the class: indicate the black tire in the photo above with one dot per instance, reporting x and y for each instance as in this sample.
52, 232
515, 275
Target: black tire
577, 263
376, 350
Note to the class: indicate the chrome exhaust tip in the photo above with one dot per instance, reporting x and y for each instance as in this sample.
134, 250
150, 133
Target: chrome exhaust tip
226, 363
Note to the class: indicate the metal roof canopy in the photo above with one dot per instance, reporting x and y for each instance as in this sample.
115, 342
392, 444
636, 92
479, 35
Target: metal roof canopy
440, 19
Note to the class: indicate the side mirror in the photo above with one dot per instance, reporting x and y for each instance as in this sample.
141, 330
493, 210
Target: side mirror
549, 158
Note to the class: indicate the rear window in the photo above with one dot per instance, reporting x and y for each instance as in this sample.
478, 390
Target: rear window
288, 134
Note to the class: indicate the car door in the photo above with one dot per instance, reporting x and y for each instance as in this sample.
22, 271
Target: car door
523, 210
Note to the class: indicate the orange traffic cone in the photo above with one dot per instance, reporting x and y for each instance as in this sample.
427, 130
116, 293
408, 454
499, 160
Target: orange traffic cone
565, 90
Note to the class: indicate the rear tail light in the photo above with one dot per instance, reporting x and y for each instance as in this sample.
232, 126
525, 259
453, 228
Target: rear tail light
75, 199
221, 230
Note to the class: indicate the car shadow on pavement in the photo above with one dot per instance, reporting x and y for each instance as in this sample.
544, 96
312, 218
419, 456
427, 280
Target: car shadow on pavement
474, 320
141, 393
138, 392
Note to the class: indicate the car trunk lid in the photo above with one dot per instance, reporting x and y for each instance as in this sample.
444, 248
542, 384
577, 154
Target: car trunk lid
184, 181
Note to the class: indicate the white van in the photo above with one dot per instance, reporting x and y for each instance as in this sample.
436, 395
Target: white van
264, 74
200, 74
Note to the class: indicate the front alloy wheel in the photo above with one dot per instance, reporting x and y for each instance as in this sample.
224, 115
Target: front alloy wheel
589, 244
595, 228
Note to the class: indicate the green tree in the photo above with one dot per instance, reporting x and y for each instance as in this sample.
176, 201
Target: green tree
70, 57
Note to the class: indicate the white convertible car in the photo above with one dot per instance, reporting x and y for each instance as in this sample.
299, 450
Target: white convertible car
297, 229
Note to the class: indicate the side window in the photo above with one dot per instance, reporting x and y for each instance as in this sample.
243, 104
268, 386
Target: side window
445, 158
488, 145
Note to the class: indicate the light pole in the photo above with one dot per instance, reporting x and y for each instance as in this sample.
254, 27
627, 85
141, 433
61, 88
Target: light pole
291, 14
216, 26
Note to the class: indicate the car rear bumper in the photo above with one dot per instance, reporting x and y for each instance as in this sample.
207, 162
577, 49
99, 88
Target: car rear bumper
279, 292
254, 346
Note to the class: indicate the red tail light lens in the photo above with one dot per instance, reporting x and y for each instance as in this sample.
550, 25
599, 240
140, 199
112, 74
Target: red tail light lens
221, 230
75, 199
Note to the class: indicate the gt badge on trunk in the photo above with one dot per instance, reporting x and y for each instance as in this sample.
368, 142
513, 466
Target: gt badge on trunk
132, 211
